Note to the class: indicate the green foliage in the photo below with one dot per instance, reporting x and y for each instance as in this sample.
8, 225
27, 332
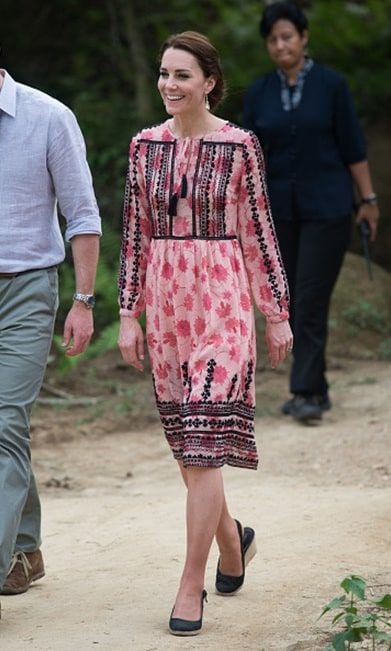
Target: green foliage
100, 59
62, 363
363, 315
363, 619
107, 340
355, 38
385, 350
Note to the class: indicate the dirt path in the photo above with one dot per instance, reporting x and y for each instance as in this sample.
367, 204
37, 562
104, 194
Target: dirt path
114, 540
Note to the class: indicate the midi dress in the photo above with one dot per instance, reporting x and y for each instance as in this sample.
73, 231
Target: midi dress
198, 245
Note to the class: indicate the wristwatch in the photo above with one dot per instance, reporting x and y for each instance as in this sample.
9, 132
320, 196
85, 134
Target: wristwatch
87, 299
370, 198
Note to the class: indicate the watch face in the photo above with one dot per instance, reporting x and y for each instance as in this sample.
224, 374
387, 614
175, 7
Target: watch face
90, 301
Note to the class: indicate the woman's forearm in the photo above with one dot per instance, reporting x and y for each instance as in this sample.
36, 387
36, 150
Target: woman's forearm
362, 178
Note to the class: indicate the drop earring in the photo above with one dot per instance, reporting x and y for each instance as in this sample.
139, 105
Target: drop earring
207, 105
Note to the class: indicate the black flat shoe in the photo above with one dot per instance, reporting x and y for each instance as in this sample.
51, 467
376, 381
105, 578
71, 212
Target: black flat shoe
178, 626
306, 407
226, 585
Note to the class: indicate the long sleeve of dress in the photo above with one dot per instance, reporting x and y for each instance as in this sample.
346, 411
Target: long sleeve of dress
136, 237
261, 252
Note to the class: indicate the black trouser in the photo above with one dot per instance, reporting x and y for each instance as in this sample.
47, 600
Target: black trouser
313, 253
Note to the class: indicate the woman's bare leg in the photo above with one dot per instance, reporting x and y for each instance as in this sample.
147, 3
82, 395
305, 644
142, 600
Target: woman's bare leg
205, 498
207, 515
226, 537
229, 544
183, 472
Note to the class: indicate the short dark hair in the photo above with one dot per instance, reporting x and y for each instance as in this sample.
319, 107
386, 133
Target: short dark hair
282, 11
207, 56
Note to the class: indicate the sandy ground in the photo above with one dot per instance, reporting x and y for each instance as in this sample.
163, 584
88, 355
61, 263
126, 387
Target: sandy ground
114, 539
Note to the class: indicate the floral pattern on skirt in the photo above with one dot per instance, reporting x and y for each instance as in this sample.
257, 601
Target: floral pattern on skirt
198, 246
201, 340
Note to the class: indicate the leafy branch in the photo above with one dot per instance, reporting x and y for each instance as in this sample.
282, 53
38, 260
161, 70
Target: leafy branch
364, 619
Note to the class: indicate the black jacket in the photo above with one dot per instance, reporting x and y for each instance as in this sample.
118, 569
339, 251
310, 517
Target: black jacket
307, 149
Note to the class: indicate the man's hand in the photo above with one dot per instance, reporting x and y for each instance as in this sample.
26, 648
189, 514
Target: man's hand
78, 329
279, 341
131, 342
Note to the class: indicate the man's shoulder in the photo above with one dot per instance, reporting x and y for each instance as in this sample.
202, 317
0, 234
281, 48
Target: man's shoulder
40, 101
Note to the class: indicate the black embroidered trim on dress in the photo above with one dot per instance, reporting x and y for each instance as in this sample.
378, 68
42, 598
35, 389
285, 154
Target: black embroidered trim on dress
210, 433
208, 208
272, 279
132, 192
190, 237
221, 190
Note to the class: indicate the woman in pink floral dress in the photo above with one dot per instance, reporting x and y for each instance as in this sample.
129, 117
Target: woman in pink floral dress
198, 244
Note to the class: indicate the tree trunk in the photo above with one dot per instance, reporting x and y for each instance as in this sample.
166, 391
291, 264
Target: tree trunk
131, 55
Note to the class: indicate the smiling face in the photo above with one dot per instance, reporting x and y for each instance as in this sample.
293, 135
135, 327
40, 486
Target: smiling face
182, 83
286, 46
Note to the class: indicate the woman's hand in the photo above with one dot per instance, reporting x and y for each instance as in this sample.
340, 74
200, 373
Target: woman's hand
131, 342
279, 341
369, 212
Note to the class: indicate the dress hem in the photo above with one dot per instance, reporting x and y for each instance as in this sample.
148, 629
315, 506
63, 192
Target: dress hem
216, 463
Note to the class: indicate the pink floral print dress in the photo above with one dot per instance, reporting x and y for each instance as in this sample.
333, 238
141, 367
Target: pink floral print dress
198, 242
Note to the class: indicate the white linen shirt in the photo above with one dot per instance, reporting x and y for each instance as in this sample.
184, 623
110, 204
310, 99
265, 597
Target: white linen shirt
42, 162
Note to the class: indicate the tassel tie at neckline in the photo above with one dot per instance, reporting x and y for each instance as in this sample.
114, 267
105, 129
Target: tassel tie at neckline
173, 201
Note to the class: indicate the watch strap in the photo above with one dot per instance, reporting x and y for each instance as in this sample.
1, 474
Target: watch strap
369, 199
87, 299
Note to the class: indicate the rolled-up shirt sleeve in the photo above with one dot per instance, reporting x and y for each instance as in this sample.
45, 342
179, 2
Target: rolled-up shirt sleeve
71, 176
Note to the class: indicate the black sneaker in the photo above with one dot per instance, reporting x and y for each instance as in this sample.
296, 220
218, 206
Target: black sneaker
289, 406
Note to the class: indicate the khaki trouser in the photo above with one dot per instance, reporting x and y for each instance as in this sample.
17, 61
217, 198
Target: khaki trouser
28, 304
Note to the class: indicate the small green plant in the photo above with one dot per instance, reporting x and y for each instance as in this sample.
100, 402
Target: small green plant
363, 315
365, 620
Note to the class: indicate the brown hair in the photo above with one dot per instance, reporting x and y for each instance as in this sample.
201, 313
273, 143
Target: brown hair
207, 56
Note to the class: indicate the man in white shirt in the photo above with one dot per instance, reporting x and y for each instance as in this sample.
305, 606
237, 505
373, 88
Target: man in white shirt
42, 164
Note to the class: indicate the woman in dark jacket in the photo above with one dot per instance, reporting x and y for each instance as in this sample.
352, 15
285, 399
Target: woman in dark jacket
304, 117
